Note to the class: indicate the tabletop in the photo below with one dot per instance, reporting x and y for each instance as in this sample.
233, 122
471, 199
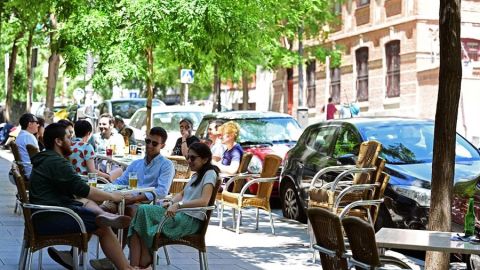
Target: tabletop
126, 190
424, 240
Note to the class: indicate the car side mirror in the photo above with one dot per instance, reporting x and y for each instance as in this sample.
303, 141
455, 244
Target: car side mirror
347, 159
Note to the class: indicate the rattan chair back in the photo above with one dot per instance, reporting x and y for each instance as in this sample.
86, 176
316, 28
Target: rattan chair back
271, 163
327, 229
367, 157
246, 158
16, 156
32, 150
361, 237
182, 170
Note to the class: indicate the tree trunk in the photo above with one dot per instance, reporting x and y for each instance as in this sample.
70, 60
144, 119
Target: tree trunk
53, 65
149, 87
449, 89
11, 72
245, 89
216, 87
29, 71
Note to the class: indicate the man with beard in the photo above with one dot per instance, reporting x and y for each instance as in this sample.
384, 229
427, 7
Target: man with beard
54, 182
108, 136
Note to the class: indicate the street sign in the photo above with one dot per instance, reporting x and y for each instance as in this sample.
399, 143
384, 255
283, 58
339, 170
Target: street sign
187, 76
78, 94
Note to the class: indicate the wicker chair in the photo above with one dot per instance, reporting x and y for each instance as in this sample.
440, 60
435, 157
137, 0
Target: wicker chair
261, 200
18, 161
32, 150
32, 241
338, 193
196, 241
329, 238
361, 237
182, 171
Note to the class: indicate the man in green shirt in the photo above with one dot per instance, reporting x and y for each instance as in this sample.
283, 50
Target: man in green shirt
54, 182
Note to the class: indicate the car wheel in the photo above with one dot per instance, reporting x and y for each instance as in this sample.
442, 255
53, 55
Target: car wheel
291, 206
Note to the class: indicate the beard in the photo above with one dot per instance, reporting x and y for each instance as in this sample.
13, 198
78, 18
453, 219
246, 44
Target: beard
66, 151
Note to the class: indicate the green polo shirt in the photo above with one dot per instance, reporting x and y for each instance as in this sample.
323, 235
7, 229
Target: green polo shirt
54, 181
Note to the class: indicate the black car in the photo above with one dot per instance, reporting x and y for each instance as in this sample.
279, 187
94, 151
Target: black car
407, 147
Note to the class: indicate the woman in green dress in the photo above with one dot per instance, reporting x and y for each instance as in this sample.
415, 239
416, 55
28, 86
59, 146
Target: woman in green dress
196, 193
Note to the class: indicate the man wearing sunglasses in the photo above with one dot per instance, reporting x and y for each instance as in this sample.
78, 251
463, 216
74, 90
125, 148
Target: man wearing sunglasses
29, 124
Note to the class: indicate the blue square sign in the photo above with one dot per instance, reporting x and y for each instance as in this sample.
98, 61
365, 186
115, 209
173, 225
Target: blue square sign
187, 76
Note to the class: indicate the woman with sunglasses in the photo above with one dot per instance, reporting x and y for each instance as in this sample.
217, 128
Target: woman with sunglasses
196, 193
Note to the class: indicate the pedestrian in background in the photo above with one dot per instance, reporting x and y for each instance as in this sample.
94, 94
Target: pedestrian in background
331, 109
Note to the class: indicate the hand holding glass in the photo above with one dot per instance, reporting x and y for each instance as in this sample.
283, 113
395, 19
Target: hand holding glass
132, 180
92, 179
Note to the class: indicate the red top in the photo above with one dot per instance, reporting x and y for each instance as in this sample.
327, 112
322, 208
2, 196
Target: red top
331, 110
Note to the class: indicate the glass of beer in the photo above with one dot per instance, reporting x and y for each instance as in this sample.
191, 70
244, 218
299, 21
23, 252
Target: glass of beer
132, 180
133, 150
92, 179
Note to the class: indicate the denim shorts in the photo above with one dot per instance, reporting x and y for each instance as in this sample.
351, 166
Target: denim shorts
53, 223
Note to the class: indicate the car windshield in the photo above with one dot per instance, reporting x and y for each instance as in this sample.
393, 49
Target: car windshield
413, 143
171, 120
268, 130
126, 108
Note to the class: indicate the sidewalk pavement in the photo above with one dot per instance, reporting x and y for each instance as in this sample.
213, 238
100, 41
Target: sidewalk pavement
250, 249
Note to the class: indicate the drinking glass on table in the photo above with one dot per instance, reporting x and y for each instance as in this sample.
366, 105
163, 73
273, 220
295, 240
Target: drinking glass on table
92, 179
132, 180
133, 149
109, 152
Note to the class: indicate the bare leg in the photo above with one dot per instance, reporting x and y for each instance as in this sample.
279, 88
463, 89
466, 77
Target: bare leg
111, 248
135, 250
145, 256
130, 210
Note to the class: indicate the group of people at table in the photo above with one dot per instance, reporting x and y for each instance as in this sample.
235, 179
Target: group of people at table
68, 151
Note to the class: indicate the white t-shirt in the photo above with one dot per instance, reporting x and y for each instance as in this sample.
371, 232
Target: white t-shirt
102, 143
192, 193
24, 137
218, 148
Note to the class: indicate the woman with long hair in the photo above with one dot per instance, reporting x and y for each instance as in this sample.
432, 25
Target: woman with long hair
197, 193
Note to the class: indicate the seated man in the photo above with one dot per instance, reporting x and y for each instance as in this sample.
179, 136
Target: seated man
29, 124
125, 131
153, 171
54, 182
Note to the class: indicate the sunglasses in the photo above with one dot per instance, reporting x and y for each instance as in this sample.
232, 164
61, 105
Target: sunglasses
192, 158
154, 143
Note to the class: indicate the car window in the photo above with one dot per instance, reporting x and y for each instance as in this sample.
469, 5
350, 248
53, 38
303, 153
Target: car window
137, 119
413, 143
268, 130
202, 129
170, 120
347, 143
321, 138
126, 108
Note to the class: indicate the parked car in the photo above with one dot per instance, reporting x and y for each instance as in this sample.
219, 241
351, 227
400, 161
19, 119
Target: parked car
407, 147
125, 107
167, 117
261, 133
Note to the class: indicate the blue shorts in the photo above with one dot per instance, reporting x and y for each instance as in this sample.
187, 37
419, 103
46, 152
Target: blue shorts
53, 223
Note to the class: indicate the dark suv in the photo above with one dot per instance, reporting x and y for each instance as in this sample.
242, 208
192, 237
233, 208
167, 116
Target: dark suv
407, 147
261, 133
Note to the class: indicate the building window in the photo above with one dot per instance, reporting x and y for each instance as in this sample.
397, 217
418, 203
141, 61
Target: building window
361, 56
311, 84
392, 50
472, 48
335, 84
361, 3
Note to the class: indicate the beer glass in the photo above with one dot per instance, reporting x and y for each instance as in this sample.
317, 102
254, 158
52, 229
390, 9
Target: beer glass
133, 150
132, 180
92, 179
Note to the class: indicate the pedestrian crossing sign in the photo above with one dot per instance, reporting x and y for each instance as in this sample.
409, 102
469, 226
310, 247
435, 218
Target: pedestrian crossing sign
187, 76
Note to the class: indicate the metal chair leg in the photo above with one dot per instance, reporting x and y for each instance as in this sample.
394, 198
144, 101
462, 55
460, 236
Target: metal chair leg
271, 222
23, 254
167, 257
29, 259
233, 217
75, 258
205, 260
221, 216
256, 216
155, 260
85, 260
200, 260
40, 259
239, 217
97, 251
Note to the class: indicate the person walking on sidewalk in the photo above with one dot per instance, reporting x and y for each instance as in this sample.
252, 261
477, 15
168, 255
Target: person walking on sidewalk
331, 109
54, 182
29, 124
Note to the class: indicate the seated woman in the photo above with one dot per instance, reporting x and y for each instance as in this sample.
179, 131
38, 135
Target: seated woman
184, 142
39, 134
82, 152
196, 193
233, 154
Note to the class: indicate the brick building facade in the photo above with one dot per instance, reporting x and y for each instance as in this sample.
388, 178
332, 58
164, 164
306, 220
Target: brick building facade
390, 63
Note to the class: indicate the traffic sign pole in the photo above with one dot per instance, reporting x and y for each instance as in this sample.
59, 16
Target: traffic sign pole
185, 94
